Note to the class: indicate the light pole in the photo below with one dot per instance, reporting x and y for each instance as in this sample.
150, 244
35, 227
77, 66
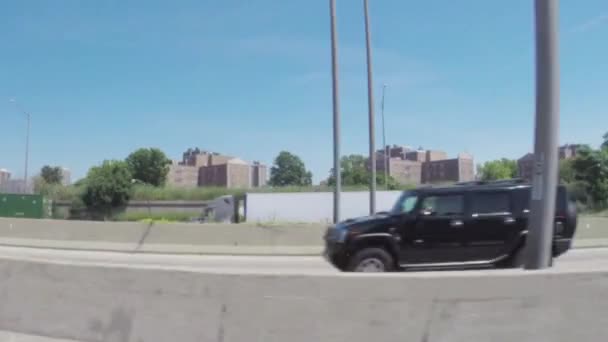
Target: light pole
336, 110
27, 141
544, 182
384, 141
370, 108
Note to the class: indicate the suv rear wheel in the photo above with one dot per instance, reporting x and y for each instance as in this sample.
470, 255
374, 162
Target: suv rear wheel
371, 260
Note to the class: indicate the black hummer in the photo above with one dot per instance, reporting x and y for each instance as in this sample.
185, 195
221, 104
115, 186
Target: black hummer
470, 224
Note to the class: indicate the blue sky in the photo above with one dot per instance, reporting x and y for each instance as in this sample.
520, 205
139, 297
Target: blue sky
252, 78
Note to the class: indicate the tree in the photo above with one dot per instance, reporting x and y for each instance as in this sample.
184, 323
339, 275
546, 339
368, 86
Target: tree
605, 143
149, 165
591, 168
356, 172
566, 171
498, 169
51, 174
107, 186
289, 170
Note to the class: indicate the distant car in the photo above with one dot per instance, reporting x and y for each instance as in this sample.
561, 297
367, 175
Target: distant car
473, 224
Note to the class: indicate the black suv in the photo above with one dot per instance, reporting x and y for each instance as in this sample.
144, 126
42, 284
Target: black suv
471, 224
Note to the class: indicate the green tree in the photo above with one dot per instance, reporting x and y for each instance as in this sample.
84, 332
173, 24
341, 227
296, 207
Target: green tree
51, 174
591, 168
392, 183
289, 170
107, 186
605, 143
356, 172
498, 169
566, 171
149, 165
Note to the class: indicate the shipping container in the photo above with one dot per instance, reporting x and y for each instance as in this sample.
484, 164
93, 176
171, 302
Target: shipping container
22, 205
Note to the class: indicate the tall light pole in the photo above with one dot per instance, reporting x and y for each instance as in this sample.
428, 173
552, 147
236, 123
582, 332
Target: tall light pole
370, 108
384, 141
544, 182
27, 141
336, 110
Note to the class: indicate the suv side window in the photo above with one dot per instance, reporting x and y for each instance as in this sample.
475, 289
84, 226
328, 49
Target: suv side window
443, 205
489, 203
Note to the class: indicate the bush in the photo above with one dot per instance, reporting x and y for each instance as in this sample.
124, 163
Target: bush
107, 187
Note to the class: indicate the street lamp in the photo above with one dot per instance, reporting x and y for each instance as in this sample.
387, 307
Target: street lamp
384, 141
336, 109
27, 141
370, 107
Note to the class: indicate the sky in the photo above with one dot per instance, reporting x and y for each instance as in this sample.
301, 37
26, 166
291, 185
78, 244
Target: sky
253, 78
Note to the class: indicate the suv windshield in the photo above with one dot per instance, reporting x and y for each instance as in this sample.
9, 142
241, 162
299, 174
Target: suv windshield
406, 203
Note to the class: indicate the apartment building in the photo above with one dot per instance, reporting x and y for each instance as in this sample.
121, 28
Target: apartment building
182, 176
459, 169
409, 166
206, 169
66, 176
5, 176
525, 164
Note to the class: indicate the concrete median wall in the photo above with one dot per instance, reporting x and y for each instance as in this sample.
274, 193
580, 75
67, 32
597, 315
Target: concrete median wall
131, 305
163, 238
287, 239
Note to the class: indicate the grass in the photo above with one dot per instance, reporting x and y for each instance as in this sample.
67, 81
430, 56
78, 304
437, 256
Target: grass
164, 217
150, 193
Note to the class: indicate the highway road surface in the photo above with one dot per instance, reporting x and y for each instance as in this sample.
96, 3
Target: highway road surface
576, 260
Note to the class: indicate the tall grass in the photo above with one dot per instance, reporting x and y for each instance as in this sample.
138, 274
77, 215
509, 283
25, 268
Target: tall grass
151, 193
72, 193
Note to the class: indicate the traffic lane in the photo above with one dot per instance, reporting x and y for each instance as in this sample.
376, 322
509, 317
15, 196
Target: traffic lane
591, 259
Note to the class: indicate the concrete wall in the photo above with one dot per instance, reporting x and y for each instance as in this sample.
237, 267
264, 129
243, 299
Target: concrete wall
312, 206
285, 239
88, 303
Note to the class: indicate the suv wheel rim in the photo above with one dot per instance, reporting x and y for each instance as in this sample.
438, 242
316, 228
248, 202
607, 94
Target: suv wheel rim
370, 265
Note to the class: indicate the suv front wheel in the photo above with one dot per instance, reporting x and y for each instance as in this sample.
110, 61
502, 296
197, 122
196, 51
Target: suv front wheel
371, 260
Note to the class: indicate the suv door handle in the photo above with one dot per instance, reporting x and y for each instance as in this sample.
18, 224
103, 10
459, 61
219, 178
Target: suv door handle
456, 223
509, 220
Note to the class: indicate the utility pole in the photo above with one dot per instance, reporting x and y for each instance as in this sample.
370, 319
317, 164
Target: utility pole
370, 105
27, 142
384, 142
336, 110
544, 182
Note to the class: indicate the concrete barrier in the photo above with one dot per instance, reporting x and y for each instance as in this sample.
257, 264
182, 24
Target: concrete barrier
247, 239
115, 236
86, 303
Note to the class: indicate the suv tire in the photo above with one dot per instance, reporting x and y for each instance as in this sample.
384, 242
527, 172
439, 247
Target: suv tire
371, 260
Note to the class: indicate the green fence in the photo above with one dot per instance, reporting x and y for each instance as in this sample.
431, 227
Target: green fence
21, 205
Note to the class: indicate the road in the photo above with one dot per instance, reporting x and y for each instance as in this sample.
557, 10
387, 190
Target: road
575, 260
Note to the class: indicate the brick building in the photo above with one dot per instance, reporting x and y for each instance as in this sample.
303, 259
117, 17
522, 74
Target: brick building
409, 166
206, 169
525, 164
182, 176
5, 176
460, 169
259, 174
66, 176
